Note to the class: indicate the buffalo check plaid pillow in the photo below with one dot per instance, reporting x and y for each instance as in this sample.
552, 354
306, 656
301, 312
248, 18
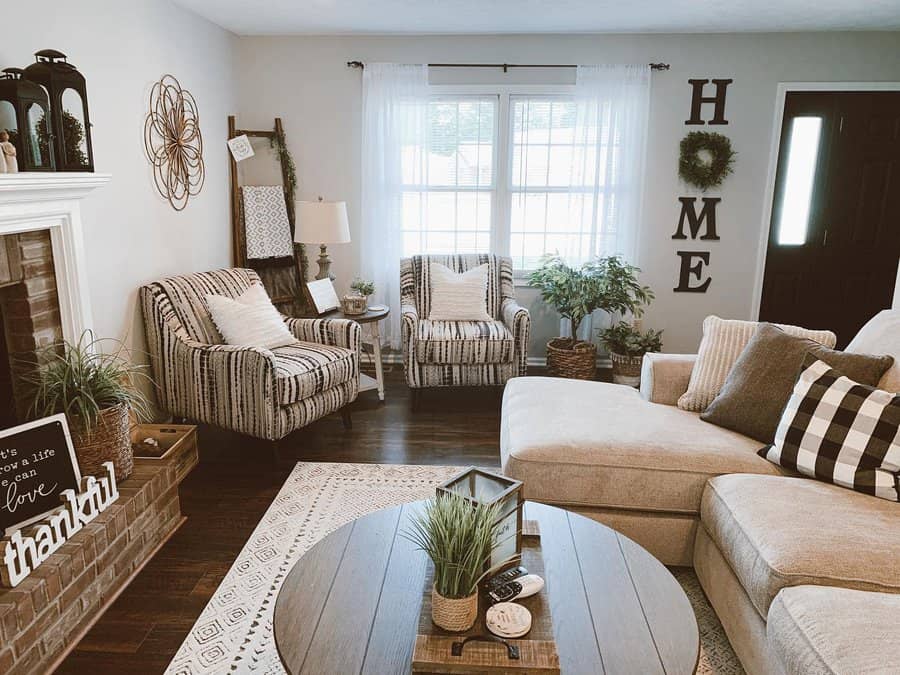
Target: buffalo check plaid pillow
840, 432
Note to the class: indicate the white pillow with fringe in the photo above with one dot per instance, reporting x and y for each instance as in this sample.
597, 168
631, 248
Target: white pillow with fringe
249, 320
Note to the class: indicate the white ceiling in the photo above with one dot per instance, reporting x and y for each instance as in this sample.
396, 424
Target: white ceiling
330, 17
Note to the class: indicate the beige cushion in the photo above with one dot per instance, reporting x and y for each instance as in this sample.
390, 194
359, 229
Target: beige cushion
816, 630
779, 532
463, 342
881, 335
596, 444
250, 319
304, 369
722, 344
458, 297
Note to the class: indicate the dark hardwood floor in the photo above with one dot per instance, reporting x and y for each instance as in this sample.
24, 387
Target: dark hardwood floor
227, 494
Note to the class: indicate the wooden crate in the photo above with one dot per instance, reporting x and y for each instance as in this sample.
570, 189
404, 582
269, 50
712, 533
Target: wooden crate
177, 443
537, 649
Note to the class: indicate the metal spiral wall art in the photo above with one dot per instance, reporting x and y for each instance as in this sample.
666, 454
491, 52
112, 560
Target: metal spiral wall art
173, 143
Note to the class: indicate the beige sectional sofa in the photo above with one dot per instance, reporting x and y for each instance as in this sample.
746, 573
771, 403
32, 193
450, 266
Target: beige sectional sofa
797, 570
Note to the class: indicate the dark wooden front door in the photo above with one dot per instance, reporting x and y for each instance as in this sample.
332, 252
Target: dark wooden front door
834, 238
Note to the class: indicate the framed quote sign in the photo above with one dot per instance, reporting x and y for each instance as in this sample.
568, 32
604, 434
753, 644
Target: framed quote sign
37, 462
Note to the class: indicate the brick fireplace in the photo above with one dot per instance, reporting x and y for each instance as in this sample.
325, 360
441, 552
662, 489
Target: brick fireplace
29, 307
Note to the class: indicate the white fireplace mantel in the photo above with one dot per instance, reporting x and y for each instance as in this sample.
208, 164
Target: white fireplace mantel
52, 201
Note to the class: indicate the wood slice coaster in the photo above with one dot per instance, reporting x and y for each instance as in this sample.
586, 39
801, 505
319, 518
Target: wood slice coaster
536, 649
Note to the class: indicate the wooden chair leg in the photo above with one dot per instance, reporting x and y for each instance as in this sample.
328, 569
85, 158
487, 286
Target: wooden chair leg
275, 448
416, 399
346, 419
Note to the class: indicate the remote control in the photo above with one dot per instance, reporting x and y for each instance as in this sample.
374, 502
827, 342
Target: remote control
522, 587
504, 578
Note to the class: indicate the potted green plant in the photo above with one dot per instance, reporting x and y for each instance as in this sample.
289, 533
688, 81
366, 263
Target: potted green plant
607, 283
459, 537
627, 345
357, 302
98, 392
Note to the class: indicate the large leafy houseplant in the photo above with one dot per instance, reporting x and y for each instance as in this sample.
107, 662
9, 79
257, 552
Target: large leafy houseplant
459, 537
98, 392
609, 284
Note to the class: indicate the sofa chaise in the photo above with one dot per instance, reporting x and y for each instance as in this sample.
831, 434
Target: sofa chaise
797, 570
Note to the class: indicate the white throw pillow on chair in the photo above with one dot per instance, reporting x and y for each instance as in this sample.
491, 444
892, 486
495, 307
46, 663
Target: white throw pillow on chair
458, 297
249, 319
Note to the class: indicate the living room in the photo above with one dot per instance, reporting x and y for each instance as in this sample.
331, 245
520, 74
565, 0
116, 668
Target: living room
285, 286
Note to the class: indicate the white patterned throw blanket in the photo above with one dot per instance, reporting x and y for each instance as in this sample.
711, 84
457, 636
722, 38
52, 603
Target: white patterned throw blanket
234, 631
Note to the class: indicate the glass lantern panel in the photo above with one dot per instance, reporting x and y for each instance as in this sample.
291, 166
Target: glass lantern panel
8, 120
487, 488
74, 134
38, 135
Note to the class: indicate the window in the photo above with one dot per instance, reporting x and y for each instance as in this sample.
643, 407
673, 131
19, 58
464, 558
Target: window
448, 195
803, 154
518, 173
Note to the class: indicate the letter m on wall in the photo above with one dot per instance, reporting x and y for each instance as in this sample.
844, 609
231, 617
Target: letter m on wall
707, 216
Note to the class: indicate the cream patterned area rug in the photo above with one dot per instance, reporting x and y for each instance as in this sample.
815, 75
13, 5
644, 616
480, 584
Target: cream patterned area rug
234, 631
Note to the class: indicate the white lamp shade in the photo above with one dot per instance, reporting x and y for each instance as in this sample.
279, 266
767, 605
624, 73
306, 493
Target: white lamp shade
322, 223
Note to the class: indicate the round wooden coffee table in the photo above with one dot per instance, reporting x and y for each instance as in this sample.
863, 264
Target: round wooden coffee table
351, 603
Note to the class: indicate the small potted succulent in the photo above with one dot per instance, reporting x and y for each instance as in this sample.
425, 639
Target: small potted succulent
609, 284
459, 537
357, 302
98, 392
627, 345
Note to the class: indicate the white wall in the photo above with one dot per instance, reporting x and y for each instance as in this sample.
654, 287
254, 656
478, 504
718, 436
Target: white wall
132, 235
306, 82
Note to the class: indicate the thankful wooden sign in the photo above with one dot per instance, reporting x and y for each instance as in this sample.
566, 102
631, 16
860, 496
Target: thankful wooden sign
23, 553
37, 463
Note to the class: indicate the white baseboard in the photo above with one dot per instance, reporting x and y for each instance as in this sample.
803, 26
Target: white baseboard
395, 358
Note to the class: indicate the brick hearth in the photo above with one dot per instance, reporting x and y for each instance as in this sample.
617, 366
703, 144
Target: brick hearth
45, 615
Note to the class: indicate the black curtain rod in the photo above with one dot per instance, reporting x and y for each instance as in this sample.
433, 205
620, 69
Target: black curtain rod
505, 66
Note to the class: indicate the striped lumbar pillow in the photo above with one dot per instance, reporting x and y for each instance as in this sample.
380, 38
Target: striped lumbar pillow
249, 320
722, 343
458, 297
841, 432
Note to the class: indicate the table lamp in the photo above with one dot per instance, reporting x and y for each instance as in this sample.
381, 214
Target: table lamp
322, 223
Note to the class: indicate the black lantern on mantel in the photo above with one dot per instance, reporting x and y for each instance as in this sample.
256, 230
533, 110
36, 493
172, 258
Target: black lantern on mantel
25, 116
71, 124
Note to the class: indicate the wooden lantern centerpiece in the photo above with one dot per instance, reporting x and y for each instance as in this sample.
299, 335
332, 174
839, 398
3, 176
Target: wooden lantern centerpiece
484, 487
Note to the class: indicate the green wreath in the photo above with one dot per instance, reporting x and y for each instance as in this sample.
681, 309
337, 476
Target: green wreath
705, 174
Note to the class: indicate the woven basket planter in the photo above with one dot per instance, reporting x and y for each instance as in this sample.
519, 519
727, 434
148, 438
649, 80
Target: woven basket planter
626, 369
574, 359
453, 614
109, 440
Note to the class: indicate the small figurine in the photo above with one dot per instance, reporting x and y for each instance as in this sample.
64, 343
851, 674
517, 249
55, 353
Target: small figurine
8, 161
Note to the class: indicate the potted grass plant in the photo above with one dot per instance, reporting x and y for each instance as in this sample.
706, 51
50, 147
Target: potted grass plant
627, 345
459, 537
97, 390
608, 283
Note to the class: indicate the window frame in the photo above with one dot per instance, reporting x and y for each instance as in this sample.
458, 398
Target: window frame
502, 196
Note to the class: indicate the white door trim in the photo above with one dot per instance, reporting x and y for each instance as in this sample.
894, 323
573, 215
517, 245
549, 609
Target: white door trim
769, 195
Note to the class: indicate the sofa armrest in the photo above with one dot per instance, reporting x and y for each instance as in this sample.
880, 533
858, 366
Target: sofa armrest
336, 332
517, 319
229, 386
665, 377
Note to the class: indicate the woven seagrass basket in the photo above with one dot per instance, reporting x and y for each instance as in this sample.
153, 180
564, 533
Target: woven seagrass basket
571, 358
454, 614
109, 440
626, 369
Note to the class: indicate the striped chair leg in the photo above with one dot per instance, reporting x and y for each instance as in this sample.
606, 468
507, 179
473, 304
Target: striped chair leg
346, 419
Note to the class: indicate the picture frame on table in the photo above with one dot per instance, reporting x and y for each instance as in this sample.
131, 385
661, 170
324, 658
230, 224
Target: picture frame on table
322, 296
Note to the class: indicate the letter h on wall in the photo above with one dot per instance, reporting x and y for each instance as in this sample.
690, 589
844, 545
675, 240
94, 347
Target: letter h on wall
698, 99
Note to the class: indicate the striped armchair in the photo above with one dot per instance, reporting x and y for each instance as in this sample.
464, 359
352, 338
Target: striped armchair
461, 353
260, 392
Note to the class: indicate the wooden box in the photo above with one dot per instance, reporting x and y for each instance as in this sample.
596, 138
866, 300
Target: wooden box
433, 652
177, 442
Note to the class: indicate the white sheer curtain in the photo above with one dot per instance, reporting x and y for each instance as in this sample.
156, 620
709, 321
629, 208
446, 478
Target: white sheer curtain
612, 105
395, 113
